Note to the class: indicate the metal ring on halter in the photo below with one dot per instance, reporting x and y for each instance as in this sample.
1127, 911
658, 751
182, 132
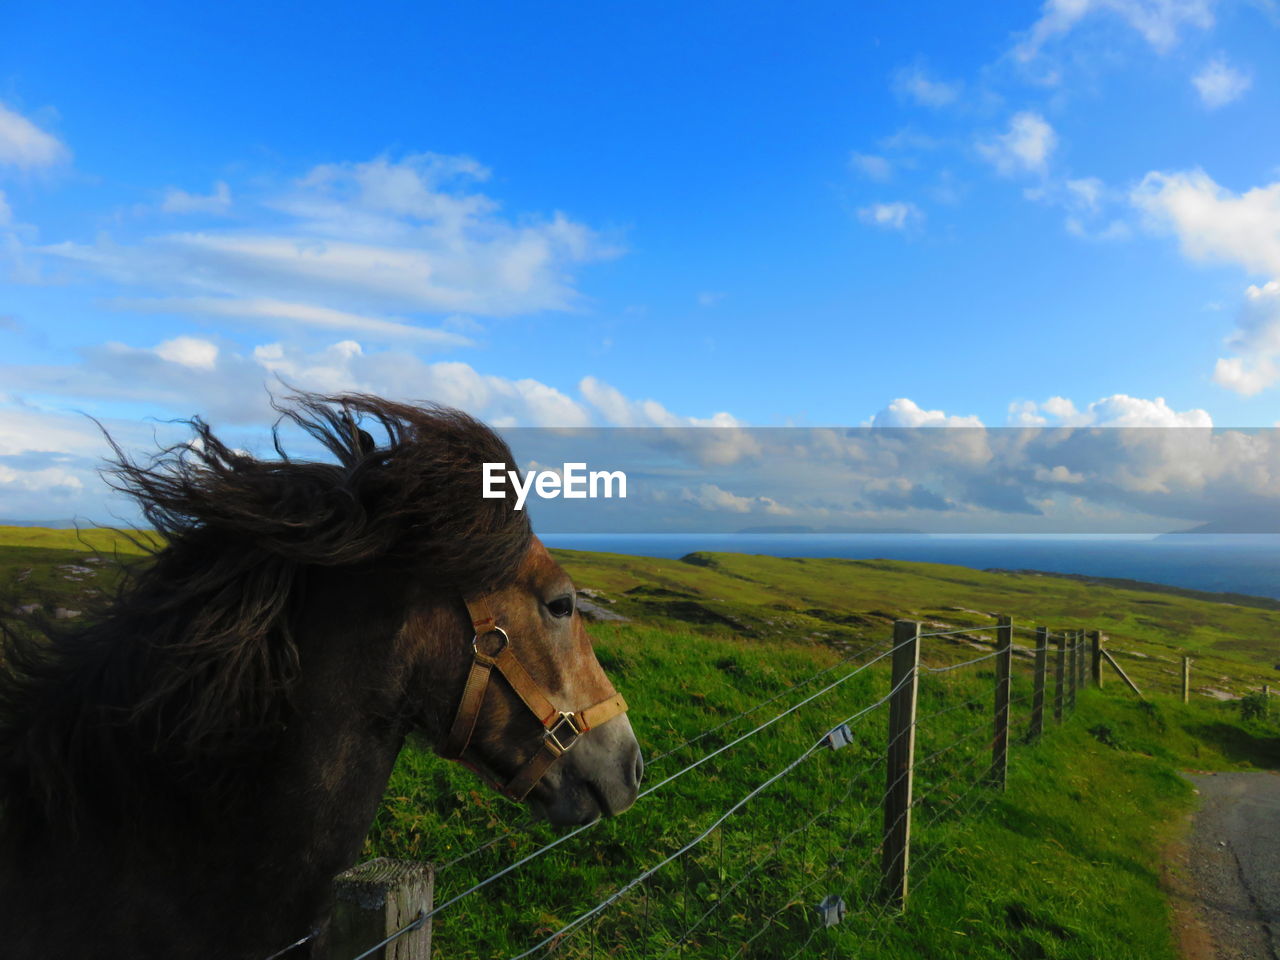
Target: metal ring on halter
489, 657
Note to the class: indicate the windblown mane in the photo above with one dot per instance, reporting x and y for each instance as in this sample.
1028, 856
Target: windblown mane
191, 664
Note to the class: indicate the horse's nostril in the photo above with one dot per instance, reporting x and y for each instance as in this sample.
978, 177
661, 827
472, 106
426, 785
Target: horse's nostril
639, 768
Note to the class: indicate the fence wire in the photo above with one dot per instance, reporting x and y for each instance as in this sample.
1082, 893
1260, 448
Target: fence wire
702, 896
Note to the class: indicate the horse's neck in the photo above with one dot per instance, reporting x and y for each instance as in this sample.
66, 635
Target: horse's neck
239, 882
306, 820
243, 874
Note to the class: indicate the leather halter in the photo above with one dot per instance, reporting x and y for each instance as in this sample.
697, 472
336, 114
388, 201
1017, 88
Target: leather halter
491, 649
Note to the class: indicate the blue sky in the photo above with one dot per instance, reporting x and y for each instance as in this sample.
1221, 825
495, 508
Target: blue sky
659, 214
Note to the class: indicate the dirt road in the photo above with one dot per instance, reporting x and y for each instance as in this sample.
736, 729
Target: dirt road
1227, 888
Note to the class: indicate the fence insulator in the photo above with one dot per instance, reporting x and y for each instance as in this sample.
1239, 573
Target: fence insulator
832, 910
841, 736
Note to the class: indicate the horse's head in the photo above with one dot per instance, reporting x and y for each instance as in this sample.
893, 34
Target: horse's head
527, 704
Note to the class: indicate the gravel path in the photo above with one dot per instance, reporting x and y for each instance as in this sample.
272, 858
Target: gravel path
1230, 866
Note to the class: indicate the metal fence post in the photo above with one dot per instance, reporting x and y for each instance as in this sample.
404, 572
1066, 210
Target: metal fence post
373, 901
999, 772
1059, 676
901, 763
1036, 729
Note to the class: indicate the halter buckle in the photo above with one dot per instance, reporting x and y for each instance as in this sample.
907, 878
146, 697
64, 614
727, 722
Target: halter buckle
555, 735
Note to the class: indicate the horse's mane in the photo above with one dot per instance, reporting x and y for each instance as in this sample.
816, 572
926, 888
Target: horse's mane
189, 666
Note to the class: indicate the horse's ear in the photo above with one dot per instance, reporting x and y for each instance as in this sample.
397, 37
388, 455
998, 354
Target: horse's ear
367, 446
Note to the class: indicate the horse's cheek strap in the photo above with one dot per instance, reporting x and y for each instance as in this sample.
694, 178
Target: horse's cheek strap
525, 687
464, 721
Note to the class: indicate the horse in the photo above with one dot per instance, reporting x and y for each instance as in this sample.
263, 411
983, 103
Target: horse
183, 776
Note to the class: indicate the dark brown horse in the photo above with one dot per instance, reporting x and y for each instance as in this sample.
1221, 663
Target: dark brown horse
183, 777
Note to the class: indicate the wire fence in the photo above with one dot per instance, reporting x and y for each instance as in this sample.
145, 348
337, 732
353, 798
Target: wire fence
856, 778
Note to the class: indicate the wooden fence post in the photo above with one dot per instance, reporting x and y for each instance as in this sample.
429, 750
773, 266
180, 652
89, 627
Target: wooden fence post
1096, 650
1059, 677
1106, 655
1073, 671
376, 899
1186, 679
999, 772
1036, 729
901, 763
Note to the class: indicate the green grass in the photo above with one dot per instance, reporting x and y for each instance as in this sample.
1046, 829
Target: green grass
90, 538
1062, 864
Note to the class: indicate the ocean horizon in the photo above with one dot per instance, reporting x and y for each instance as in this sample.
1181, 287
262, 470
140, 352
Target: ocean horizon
1218, 563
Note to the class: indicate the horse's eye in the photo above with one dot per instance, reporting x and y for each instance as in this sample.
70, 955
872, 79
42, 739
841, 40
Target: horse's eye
561, 606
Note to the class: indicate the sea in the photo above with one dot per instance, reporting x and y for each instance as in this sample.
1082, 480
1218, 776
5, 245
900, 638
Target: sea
1218, 563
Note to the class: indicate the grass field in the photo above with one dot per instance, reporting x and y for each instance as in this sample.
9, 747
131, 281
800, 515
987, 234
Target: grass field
1062, 864
1065, 863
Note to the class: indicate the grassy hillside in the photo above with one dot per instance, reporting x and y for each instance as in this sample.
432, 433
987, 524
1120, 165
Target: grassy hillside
1236, 644
1063, 864
1236, 647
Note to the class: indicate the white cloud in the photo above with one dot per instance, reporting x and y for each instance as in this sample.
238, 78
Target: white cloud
914, 82
1088, 203
892, 216
6, 212
1087, 191
24, 429
619, 411
410, 236
1256, 341
1058, 474
709, 496
1117, 410
263, 308
1211, 222
48, 480
964, 439
1246, 376
1158, 21
907, 413
26, 146
709, 298
719, 440
189, 352
179, 201
185, 375
1218, 83
872, 166
1025, 413
1024, 148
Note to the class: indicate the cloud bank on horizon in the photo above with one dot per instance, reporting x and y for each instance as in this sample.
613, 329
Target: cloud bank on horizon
1080, 230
